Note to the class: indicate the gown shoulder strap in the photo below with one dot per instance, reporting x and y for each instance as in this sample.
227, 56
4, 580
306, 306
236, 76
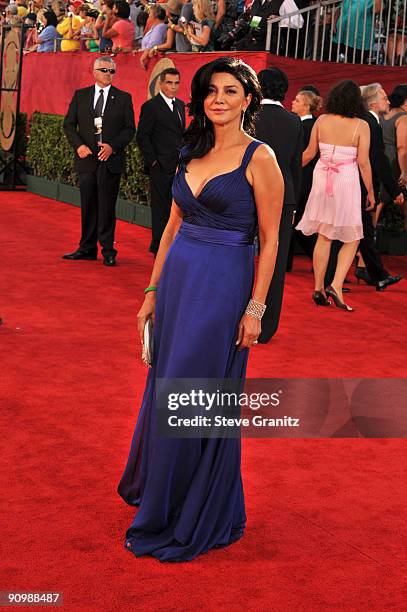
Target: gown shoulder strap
248, 154
354, 133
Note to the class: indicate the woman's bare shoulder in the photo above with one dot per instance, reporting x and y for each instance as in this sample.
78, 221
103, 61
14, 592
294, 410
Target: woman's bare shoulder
264, 154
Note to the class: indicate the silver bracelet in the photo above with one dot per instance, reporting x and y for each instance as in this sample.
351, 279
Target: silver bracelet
255, 309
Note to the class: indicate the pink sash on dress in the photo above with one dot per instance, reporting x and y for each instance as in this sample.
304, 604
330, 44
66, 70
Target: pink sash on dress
331, 167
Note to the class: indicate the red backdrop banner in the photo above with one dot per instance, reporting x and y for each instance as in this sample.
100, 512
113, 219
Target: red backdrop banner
49, 79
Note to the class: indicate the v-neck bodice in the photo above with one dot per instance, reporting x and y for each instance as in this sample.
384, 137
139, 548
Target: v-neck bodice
226, 201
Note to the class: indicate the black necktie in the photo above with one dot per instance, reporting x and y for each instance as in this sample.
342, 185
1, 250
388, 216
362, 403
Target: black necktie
176, 111
99, 105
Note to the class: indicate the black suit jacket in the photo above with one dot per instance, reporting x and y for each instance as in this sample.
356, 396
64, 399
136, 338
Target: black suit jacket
282, 130
255, 38
308, 170
118, 127
160, 133
381, 170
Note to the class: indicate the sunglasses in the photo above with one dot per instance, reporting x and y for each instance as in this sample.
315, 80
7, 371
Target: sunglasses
105, 70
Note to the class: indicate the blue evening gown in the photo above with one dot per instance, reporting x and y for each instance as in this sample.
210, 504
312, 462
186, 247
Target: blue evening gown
189, 491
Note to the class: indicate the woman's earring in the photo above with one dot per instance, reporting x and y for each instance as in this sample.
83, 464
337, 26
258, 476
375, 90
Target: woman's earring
242, 121
204, 122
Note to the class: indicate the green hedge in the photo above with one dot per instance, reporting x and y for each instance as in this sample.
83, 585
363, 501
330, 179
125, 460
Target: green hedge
50, 156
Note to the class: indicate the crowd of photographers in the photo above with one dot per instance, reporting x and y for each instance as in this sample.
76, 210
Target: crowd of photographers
140, 26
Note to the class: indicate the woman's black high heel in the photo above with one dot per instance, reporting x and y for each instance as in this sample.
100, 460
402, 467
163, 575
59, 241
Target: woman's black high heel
338, 303
320, 299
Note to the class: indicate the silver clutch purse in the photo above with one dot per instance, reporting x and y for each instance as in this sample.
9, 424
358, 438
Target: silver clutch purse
148, 343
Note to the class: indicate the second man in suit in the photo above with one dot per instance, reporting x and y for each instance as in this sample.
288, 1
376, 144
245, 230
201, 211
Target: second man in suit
159, 136
282, 131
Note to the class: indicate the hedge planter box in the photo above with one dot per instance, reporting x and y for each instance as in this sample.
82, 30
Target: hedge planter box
132, 212
69, 194
392, 243
142, 215
42, 186
125, 210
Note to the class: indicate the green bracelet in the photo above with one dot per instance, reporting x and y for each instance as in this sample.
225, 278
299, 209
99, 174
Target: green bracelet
151, 288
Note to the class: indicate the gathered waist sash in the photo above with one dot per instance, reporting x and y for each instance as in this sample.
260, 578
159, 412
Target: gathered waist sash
215, 235
330, 168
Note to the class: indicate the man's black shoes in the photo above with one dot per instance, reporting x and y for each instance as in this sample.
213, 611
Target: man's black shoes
109, 260
389, 280
79, 255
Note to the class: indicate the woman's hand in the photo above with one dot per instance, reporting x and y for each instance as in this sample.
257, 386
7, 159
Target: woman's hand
370, 202
146, 311
403, 179
249, 331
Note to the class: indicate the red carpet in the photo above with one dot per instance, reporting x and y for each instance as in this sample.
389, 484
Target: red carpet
326, 518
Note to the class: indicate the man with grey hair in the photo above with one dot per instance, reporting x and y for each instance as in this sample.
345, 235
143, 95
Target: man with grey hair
99, 125
376, 103
11, 15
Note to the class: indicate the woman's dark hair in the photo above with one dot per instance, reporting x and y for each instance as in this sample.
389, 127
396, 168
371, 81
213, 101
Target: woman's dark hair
31, 17
398, 96
200, 137
109, 3
141, 19
123, 9
51, 18
345, 99
274, 84
158, 12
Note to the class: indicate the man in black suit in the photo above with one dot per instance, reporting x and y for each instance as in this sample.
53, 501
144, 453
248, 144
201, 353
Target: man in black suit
307, 243
99, 124
376, 103
282, 130
159, 136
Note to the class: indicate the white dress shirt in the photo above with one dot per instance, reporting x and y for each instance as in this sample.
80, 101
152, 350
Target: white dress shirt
304, 117
169, 101
105, 94
268, 101
375, 115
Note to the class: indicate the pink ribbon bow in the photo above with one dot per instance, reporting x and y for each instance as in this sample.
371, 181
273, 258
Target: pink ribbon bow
331, 168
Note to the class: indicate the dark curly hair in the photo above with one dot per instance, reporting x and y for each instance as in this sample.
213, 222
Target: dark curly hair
345, 99
200, 137
274, 83
398, 96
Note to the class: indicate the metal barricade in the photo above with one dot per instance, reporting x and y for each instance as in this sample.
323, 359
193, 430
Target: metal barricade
349, 31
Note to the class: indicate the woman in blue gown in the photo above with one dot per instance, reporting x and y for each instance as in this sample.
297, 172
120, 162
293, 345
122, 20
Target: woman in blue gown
206, 315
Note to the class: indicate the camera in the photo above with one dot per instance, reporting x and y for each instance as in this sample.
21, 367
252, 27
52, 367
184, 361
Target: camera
229, 40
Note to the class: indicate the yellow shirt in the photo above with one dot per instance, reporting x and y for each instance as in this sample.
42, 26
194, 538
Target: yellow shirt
22, 11
63, 29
